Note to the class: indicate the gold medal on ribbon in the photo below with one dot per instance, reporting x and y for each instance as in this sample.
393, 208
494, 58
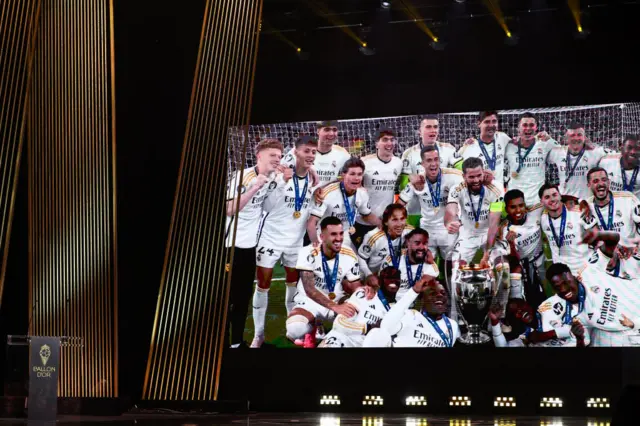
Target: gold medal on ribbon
352, 230
477, 225
297, 214
332, 296
436, 209
514, 174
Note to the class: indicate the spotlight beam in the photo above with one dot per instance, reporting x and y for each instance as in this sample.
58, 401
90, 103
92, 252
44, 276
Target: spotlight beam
324, 11
411, 11
494, 7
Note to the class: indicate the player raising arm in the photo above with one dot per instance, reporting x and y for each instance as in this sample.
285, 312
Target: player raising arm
623, 168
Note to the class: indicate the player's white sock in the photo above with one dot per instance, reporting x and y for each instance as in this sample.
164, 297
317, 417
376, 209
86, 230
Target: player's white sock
377, 338
288, 298
516, 286
260, 303
297, 327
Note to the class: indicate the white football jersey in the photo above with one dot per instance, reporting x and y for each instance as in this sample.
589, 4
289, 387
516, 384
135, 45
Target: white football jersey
427, 269
412, 161
611, 163
529, 239
417, 332
333, 205
498, 147
620, 214
279, 227
327, 165
380, 180
375, 247
250, 216
576, 185
468, 207
310, 259
432, 218
531, 174
370, 312
523, 341
626, 269
572, 253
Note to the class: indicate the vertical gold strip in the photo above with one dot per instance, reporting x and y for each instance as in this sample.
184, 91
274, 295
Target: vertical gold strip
189, 325
72, 200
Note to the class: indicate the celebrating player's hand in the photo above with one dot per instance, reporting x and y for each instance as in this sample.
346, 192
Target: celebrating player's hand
318, 196
346, 309
417, 181
370, 292
511, 236
260, 181
623, 252
422, 283
315, 180
588, 145
585, 211
484, 262
590, 236
429, 258
372, 282
488, 177
287, 174
453, 227
543, 136
469, 141
494, 314
626, 321
577, 329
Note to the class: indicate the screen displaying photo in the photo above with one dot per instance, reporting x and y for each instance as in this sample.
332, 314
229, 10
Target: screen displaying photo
507, 228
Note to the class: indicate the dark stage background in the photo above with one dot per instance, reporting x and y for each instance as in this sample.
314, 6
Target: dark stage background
156, 48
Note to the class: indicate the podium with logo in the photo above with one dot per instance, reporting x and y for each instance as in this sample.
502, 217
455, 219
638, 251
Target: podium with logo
44, 367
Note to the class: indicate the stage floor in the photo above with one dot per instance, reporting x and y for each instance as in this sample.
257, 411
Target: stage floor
320, 419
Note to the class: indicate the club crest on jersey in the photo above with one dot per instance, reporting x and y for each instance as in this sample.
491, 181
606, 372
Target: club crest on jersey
366, 248
395, 172
405, 163
540, 151
333, 163
273, 185
595, 289
570, 225
618, 214
311, 258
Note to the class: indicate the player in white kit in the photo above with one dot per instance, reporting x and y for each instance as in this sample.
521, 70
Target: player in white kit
520, 235
526, 159
328, 273
380, 243
615, 260
350, 332
490, 147
344, 200
412, 160
605, 305
623, 168
416, 262
381, 174
282, 232
617, 211
432, 194
564, 228
330, 157
570, 164
403, 327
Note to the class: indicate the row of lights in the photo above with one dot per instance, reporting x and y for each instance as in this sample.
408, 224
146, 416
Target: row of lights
379, 421
465, 401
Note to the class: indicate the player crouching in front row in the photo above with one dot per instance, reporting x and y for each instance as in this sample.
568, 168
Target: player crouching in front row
327, 273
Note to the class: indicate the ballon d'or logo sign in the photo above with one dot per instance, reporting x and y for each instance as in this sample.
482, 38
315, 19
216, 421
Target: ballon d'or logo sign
45, 353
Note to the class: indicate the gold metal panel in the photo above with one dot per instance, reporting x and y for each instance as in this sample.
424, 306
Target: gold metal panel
185, 354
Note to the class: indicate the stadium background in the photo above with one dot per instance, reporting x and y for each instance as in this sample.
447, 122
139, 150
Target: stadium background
605, 126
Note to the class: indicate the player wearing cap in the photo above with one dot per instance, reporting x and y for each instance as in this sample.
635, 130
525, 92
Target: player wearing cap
403, 327
327, 273
381, 174
380, 243
412, 160
564, 228
570, 164
489, 147
350, 332
623, 168
246, 194
526, 159
432, 192
330, 157
416, 262
344, 200
282, 232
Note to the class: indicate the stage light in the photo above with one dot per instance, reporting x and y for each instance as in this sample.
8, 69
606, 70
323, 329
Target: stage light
330, 400
511, 39
372, 421
372, 400
598, 403
298, 50
416, 422
504, 401
595, 423
367, 51
454, 422
330, 421
581, 33
459, 401
415, 400
551, 402
385, 4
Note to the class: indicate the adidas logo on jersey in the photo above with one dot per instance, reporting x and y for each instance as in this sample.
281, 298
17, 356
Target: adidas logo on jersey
372, 307
337, 206
290, 189
376, 173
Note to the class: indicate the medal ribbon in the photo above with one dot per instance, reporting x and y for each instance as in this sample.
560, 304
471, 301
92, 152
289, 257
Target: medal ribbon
491, 161
435, 195
521, 158
563, 224
351, 210
570, 169
476, 211
628, 186
448, 341
330, 278
410, 272
299, 200
395, 256
609, 225
383, 299
567, 315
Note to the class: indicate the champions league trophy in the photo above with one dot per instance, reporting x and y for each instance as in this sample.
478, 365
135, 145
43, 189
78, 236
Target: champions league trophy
473, 290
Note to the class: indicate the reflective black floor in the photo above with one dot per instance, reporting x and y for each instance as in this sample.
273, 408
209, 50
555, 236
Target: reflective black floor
318, 419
